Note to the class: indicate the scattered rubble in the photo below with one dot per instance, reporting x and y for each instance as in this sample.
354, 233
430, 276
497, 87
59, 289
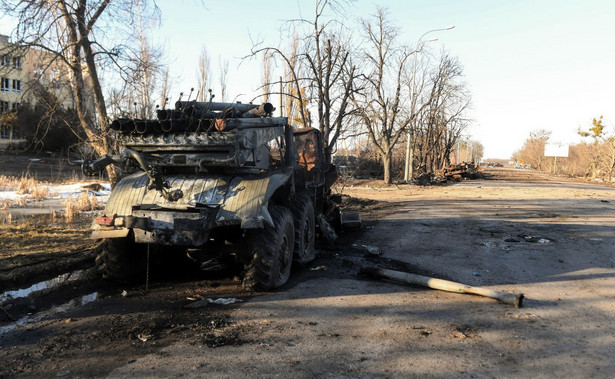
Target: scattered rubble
465, 170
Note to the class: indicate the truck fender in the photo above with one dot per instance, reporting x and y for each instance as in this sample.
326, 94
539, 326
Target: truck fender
246, 200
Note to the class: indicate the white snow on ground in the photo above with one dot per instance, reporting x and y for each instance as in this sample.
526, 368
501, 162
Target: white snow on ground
73, 190
10, 195
63, 191
59, 193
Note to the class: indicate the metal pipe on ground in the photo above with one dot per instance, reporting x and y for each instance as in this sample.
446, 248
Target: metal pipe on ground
515, 299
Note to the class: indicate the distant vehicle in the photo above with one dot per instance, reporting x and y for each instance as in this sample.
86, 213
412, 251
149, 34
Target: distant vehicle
524, 166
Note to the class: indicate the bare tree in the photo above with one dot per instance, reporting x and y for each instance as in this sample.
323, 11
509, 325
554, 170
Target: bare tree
203, 74
141, 73
441, 122
382, 106
74, 32
148, 68
319, 72
223, 66
164, 89
601, 150
266, 79
294, 103
476, 152
533, 150
328, 64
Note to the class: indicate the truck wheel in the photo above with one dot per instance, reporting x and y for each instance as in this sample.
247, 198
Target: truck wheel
121, 261
271, 252
305, 229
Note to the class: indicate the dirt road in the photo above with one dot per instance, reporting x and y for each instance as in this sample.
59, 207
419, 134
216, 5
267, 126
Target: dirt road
551, 239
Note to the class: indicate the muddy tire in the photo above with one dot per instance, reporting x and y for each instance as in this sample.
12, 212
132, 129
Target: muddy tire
121, 260
270, 252
305, 229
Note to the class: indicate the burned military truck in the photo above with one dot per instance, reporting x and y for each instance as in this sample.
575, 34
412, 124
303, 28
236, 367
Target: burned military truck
218, 181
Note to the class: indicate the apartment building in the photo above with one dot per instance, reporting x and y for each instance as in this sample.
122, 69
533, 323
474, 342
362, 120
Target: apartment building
20, 69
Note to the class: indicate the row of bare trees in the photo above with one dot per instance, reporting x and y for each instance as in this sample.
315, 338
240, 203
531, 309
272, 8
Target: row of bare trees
345, 83
373, 85
594, 158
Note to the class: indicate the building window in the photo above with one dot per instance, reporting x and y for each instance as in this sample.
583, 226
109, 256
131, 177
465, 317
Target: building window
4, 106
16, 86
5, 61
15, 106
5, 84
17, 63
5, 132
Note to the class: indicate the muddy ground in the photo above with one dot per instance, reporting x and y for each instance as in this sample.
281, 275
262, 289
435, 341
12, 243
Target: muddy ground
517, 231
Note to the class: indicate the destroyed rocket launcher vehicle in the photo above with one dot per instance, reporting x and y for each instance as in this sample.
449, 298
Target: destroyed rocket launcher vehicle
216, 181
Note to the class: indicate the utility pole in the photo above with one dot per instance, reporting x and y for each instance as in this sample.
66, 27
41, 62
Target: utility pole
281, 99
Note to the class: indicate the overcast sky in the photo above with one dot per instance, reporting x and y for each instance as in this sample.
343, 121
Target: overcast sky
530, 64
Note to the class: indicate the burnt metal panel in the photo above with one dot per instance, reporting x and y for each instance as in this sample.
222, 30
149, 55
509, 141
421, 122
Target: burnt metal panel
197, 192
126, 194
246, 201
171, 227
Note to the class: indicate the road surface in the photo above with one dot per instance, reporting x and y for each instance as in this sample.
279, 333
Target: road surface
518, 231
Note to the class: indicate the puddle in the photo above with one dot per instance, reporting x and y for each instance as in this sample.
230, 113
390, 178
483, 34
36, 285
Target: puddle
74, 303
44, 285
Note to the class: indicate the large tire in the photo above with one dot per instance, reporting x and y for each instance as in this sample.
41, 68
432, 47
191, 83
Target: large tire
121, 260
270, 252
305, 229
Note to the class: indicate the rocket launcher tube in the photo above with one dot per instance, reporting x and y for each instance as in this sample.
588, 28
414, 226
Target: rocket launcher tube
198, 108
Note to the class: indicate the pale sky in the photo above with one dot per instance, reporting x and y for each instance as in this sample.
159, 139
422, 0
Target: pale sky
530, 64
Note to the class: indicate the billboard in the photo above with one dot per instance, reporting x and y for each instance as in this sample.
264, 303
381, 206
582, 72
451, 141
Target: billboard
556, 150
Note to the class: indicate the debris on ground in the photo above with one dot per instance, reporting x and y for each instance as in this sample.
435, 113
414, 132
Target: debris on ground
534, 239
465, 170
370, 250
319, 268
463, 332
205, 302
223, 300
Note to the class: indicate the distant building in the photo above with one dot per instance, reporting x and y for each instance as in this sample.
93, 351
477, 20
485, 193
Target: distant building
21, 71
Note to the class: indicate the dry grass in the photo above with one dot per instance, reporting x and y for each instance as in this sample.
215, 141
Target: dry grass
26, 185
36, 235
29, 188
8, 183
84, 202
40, 193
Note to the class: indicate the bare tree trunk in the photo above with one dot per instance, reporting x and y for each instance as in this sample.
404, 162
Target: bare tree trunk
266, 75
164, 90
387, 162
203, 75
223, 78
